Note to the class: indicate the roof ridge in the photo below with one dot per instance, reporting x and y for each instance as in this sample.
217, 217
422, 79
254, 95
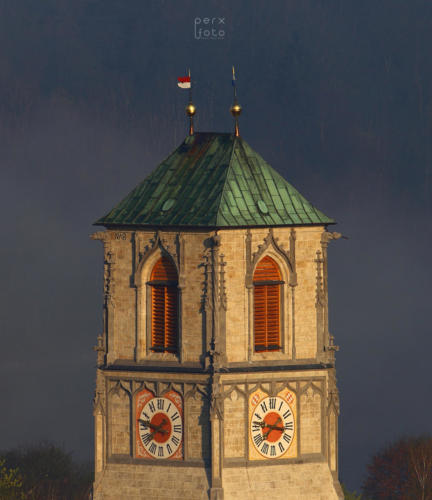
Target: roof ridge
225, 181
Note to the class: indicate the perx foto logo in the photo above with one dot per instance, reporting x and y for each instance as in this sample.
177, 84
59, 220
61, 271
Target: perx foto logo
209, 28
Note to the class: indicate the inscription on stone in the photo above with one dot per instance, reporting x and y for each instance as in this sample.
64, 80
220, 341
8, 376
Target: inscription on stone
119, 236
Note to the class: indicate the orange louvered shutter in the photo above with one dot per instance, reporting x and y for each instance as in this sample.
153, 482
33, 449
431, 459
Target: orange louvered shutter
164, 298
267, 282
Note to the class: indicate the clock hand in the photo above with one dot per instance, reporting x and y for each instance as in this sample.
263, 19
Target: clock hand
275, 427
160, 429
146, 423
156, 428
271, 427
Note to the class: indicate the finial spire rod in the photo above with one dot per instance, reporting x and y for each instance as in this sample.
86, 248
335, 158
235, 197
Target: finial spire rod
235, 108
190, 108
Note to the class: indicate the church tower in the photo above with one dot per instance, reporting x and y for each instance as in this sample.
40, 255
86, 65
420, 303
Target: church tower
216, 368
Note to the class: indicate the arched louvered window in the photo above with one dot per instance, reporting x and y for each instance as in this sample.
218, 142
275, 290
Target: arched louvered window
267, 298
164, 306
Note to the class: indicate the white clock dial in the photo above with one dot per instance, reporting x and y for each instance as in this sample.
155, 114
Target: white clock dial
160, 427
272, 427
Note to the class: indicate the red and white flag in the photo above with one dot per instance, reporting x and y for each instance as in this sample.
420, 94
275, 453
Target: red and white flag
184, 82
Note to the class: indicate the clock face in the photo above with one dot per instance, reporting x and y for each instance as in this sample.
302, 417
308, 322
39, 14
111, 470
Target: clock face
160, 427
272, 427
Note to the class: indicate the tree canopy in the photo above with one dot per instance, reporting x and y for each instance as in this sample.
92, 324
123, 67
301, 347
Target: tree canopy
43, 472
401, 471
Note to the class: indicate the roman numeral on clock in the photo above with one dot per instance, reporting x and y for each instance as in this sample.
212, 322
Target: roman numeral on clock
147, 438
169, 450
175, 440
152, 449
289, 426
281, 447
177, 428
263, 407
287, 438
175, 416
287, 414
272, 403
258, 439
160, 451
160, 404
265, 448
152, 406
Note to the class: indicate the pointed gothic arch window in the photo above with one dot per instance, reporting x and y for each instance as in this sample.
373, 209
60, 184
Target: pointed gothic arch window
267, 299
164, 306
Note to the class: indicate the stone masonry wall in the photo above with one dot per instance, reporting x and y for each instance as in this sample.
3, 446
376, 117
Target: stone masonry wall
310, 422
298, 302
135, 482
309, 481
122, 476
197, 428
239, 321
235, 430
119, 413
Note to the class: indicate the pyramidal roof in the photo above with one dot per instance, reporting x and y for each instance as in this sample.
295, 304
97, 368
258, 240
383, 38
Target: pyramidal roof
214, 180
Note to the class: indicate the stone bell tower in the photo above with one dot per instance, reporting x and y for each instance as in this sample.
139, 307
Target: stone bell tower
216, 368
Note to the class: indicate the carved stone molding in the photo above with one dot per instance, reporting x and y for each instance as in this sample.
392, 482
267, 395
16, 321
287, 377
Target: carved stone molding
292, 254
180, 244
139, 385
216, 406
310, 388
157, 243
327, 340
158, 387
269, 242
327, 237
99, 235
333, 393
222, 284
109, 261
195, 390
240, 389
288, 257
115, 386
319, 279
331, 348
100, 349
104, 340
99, 403
214, 305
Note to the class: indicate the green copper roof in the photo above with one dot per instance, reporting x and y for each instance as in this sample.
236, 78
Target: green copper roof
214, 180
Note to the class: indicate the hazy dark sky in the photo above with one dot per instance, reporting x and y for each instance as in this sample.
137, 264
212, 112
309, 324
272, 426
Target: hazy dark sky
337, 96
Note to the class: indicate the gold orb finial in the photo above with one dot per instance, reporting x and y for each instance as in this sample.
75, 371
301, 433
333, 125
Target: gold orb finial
190, 109
236, 109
